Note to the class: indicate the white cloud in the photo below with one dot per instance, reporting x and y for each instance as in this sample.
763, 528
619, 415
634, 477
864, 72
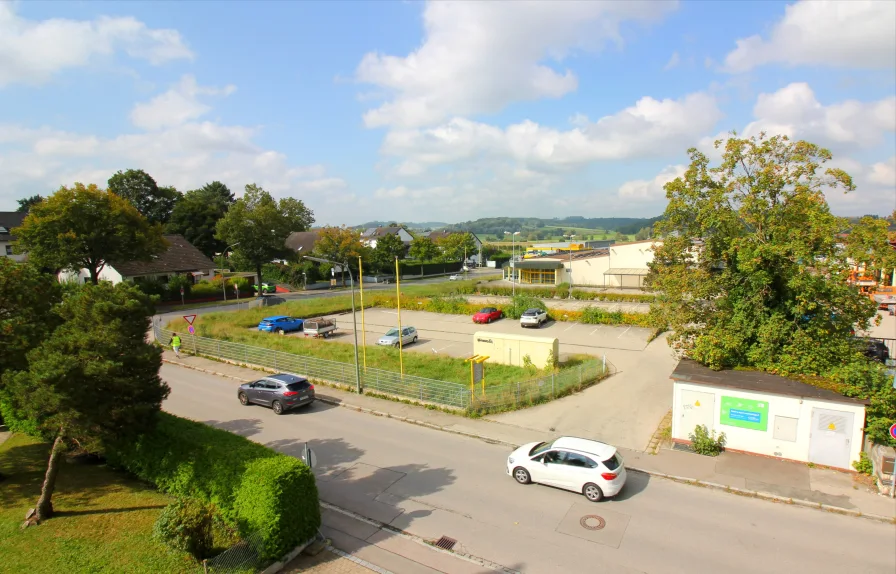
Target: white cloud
884, 173
648, 128
794, 111
176, 106
847, 33
479, 56
673, 62
651, 189
32, 51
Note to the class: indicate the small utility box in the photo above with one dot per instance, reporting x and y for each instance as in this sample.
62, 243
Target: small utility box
510, 349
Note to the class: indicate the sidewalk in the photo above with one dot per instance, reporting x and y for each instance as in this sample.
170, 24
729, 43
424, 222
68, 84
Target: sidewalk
744, 474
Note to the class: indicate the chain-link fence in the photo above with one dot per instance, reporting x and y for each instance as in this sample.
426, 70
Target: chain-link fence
503, 396
242, 558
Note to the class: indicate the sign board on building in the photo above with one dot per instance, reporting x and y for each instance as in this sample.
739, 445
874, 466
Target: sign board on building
744, 413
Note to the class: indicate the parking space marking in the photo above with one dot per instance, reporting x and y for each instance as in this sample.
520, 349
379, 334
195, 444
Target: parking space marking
570, 327
594, 331
443, 348
623, 333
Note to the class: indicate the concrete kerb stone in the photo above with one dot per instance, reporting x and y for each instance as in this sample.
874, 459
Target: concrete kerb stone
680, 479
280, 564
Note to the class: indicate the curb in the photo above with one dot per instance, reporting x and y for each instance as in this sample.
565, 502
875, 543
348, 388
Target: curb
281, 564
681, 479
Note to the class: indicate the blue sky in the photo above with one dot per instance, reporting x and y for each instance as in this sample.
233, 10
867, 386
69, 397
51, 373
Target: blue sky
447, 112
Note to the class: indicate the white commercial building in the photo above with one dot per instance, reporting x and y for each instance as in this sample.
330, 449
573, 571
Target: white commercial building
769, 415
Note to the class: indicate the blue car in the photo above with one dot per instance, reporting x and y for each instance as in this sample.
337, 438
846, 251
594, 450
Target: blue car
280, 324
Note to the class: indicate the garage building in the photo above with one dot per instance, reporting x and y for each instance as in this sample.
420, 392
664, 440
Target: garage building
766, 414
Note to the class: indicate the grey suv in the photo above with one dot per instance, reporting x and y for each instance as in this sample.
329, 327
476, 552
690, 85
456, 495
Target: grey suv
280, 392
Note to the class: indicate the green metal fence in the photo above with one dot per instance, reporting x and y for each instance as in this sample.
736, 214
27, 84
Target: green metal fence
503, 396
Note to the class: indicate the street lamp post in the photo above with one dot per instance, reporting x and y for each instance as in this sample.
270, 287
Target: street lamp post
513, 258
224, 279
351, 279
571, 237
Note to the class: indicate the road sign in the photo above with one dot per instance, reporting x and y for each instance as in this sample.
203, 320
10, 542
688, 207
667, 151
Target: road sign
181, 290
192, 330
190, 318
893, 431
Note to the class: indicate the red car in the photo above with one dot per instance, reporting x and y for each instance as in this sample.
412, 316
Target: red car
487, 315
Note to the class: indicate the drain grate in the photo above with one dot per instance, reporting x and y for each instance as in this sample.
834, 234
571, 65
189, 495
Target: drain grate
446, 543
592, 522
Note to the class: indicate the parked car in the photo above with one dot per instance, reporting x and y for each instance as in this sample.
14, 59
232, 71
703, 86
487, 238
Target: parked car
877, 350
592, 468
280, 324
280, 392
319, 327
266, 288
533, 318
455, 277
487, 315
390, 339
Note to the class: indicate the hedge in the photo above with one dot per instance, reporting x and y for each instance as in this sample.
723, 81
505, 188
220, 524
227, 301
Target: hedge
253, 487
561, 291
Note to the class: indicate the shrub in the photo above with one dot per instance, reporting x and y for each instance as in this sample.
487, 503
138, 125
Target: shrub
206, 289
563, 290
175, 282
707, 443
190, 459
186, 525
864, 464
16, 422
520, 303
153, 287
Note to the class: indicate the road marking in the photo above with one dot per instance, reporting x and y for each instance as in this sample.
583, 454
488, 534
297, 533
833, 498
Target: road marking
443, 348
391, 312
570, 327
592, 332
623, 333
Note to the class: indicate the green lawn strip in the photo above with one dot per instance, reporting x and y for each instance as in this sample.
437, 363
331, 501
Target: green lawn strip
103, 523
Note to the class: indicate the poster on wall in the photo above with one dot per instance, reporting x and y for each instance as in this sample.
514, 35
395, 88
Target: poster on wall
744, 413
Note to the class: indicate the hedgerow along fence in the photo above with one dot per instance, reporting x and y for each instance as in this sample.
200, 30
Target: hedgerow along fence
505, 396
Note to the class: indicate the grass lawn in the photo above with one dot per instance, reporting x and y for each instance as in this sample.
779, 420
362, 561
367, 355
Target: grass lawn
103, 523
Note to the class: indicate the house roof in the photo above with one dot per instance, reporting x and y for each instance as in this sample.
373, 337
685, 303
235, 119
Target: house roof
690, 371
9, 220
180, 257
303, 239
374, 232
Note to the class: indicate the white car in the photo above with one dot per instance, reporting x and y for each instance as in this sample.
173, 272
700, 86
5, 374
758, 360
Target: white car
533, 318
587, 466
455, 277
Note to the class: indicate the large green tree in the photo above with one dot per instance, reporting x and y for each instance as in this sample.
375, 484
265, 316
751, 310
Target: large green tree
260, 225
95, 379
388, 247
750, 272
868, 246
153, 202
423, 249
84, 227
26, 202
340, 245
197, 214
456, 245
27, 299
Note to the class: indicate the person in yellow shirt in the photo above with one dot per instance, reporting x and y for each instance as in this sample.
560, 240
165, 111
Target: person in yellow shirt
175, 344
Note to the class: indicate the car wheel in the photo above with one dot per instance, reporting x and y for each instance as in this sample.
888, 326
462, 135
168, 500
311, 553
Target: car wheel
279, 331
396, 345
278, 408
521, 475
244, 400
489, 320
415, 339
593, 492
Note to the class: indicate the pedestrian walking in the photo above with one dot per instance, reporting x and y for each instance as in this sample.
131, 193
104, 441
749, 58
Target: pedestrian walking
175, 344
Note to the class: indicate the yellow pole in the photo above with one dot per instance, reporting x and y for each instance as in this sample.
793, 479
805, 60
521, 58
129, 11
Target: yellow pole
472, 388
398, 301
483, 378
363, 331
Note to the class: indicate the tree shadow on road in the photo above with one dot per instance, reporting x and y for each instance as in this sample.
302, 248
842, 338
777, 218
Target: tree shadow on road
242, 427
334, 455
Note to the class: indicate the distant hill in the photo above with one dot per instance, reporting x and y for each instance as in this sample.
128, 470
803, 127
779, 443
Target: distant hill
410, 225
498, 225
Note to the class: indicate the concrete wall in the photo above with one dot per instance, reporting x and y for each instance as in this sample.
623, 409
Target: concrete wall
508, 349
764, 442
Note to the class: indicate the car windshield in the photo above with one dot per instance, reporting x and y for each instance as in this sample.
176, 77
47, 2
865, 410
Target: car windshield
613, 462
531, 312
486, 310
392, 333
540, 448
300, 386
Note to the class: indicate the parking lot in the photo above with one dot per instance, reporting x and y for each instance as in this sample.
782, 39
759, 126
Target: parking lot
452, 335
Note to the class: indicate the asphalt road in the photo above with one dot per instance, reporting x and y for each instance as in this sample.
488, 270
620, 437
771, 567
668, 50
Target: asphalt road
433, 483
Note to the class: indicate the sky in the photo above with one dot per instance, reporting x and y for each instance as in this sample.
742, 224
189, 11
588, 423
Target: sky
440, 111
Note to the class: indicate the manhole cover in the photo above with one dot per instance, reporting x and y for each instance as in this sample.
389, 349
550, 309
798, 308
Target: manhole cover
592, 522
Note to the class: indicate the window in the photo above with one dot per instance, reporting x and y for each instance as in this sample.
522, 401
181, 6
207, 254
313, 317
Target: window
9, 249
578, 460
300, 386
540, 448
554, 457
613, 462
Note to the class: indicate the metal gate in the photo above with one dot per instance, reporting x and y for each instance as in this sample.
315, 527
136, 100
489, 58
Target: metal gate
830, 439
696, 409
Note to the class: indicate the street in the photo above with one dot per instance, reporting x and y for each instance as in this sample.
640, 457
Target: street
432, 483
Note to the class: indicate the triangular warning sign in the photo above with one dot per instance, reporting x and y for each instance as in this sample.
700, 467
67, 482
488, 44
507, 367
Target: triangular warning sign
832, 426
190, 318
696, 403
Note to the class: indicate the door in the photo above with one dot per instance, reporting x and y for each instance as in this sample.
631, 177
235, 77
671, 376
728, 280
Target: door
255, 391
830, 440
578, 471
265, 392
555, 469
697, 408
